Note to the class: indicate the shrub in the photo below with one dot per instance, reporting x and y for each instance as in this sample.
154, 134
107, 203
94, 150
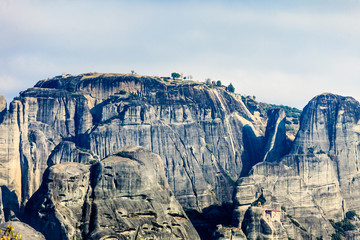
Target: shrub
31, 137
261, 199
321, 152
335, 236
342, 226
122, 92
293, 221
218, 83
231, 88
175, 75
350, 214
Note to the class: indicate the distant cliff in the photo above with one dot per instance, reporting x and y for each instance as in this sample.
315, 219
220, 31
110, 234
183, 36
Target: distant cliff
319, 179
206, 136
218, 150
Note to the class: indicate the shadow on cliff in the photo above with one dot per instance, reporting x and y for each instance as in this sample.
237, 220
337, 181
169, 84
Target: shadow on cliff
10, 203
205, 222
253, 149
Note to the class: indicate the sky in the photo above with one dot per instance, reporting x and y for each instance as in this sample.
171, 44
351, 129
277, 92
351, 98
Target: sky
281, 51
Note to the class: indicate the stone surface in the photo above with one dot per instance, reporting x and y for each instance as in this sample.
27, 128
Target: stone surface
277, 143
317, 180
258, 225
206, 137
228, 233
58, 206
27, 232
125, 196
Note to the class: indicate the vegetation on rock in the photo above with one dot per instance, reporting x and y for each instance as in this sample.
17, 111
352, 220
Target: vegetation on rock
175, 75
231, 88
10, 234
344, 225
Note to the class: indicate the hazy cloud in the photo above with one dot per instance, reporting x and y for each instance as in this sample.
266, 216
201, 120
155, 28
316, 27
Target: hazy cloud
282, 52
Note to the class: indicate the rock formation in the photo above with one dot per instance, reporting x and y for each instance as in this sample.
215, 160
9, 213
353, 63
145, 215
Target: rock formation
216, 148
317, 180
205, 136
277, 143
27, 232
125, 196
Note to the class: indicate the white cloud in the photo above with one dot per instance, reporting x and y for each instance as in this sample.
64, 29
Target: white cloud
265, 49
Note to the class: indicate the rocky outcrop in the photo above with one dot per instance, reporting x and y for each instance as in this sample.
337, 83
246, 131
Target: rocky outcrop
330, 126
58, 205
125, 196
22, 229
277, 143
317, 180
205, 136
259, 224
67, 151
228, 233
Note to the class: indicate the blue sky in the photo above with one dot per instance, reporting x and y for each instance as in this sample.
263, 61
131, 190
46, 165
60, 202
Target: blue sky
283, 52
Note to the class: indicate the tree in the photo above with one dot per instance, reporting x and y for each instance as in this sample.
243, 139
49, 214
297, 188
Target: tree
231, 88
218, 83
208, 81
175, 75
350, 214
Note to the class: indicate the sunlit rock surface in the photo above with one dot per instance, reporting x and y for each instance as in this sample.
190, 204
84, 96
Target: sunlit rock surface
125, 196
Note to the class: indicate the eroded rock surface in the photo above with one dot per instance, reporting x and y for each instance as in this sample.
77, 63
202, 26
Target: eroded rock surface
59, 205
125, 196
206, 137
317, 180
27, 232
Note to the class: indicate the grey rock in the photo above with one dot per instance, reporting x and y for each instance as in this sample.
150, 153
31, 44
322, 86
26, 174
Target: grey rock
228, 233
317, 180
257, 224
277, 143
59, 205
27, 232
205, 136
125, 196
36, 122
67, 151
132, 199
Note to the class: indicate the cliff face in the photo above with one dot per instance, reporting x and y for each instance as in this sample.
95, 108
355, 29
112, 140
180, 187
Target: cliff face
125, 196
205, 136
317, 181
215, 147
